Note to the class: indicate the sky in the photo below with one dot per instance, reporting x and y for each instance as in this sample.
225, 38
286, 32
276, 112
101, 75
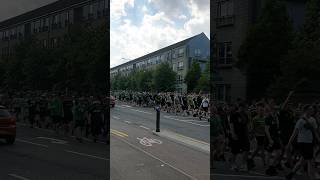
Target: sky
139, 27
11, 8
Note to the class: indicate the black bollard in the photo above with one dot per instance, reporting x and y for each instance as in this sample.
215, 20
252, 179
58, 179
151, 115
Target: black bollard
158, 120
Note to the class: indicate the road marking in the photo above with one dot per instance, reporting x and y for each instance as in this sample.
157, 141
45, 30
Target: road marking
55, 141
248, 176
128, 122
115, 117
175, 168
186, 121
118, 133
126, 106
145, 127
42, 145
18, 177
202, 142
141, 111
148, 142
88, 155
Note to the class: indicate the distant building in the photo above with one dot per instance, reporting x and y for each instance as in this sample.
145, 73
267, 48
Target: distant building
49, 23
231, 20
179, 55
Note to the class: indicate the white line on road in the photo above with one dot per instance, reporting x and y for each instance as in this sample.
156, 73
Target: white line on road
128, 122
88, 155
18, 177
248, 176
115, 117
20, 140
186, 121
141, 111
144, 127
175, 168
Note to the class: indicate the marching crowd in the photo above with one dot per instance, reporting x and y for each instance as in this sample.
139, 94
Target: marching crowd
74, 114
196, 105
280, 136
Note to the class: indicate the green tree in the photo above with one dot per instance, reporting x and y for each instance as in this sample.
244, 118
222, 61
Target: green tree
193, 76
204, 80
265, 48
303, 60
164, 78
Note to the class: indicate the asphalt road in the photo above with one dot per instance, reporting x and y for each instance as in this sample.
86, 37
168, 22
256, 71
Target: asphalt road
40, 154
187, 126
132, 157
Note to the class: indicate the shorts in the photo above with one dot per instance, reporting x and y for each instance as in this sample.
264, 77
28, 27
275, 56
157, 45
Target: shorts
205, 109
260, 140
168, 104
306, 150
238, 146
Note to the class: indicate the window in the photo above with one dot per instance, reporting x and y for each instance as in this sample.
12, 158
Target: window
45, 43
180, 65
174, 67
225, 8
180, 79
225, 14
197, 52
91, 11
181, 51
163, 58
174, 54
225, 53
1, 35
86, 10
168, 56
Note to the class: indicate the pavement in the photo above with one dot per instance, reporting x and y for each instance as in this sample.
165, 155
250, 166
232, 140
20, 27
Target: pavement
138, 153
40, 154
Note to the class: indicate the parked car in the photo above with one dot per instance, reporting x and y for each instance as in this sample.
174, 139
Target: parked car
7, 125
112, 101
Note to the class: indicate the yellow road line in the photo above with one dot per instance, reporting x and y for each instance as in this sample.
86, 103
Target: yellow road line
119, 133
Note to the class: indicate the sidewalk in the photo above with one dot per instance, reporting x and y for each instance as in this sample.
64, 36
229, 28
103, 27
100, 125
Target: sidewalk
190, 142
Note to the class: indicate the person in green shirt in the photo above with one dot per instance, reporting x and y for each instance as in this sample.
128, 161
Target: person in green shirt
56, 112
78, 118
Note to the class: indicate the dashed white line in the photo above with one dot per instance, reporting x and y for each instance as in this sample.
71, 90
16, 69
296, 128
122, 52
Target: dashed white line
88, 155
248, 176
41, 145
145, 127
186, 121
18, 177
128, 122
141, 111
115, 117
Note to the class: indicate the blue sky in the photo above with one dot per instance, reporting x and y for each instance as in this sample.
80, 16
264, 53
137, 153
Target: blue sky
139, 27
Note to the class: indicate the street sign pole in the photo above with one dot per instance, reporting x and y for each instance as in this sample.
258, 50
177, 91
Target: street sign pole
158, 119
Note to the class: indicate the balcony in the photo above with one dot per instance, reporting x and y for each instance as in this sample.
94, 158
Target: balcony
225, 21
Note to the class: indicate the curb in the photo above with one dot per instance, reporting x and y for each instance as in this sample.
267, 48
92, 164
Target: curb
194, 145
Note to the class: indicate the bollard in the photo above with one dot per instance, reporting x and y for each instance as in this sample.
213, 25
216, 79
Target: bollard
158, 120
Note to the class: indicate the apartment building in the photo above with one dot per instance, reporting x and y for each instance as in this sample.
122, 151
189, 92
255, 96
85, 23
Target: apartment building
231, 20
49, 23
179, 55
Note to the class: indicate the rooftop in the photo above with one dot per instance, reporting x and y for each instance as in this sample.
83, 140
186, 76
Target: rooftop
162, 50
47, 9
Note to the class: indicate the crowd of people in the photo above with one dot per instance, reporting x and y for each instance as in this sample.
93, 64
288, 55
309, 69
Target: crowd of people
69, 113
192, 104
280, 135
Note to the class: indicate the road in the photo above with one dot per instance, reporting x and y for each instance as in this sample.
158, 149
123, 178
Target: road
134, 157
187, 126
41, 154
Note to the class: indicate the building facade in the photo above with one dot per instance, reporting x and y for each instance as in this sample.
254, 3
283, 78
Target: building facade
48, 24
231, 20
179, 56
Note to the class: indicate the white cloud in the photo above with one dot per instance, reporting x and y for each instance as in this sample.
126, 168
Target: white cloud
156, 31
117, 8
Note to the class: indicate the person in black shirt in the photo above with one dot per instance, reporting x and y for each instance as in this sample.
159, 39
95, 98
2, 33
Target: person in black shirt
239, 141
96, 117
